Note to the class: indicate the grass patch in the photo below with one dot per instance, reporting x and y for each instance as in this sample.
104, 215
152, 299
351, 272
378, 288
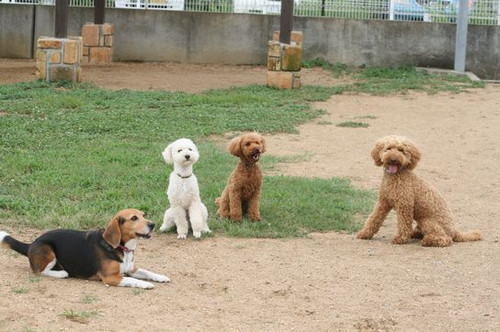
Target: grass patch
82, 317
74, 154
353, 124
20, 290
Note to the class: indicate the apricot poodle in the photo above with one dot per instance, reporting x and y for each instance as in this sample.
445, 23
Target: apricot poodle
412, 198
242, 192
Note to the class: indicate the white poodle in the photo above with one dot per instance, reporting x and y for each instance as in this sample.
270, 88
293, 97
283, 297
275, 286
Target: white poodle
183, 192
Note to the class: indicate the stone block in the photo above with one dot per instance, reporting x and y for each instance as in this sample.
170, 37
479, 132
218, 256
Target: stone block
54, 56
108, 29
100, 55
292, 58
274, 63
71, 51
62, 73
280, 79
90, 34
49, 42
274, 48
296, 37
108, 41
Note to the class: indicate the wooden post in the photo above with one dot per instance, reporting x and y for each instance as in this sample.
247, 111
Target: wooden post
99, 11
61, 26
286, 21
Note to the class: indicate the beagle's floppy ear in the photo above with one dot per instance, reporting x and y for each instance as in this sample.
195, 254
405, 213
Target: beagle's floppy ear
112, 233
235, 147
379, 145
167, 154
415, 154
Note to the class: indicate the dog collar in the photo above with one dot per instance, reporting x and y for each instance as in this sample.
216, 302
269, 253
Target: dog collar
125, 249
184, 177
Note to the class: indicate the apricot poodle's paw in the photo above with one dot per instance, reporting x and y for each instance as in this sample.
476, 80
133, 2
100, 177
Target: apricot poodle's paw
364, 234
400, 240
436, 241
416, 234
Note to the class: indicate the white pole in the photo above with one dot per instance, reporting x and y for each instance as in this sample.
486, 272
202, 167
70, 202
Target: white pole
461, 37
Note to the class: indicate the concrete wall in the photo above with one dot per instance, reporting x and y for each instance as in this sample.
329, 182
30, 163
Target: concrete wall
242, 39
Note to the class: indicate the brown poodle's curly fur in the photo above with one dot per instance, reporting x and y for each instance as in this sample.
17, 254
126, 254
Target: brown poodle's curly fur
242, 192
412, 198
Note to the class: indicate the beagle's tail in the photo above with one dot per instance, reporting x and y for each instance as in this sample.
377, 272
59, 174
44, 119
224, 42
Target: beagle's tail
9, 242
467, 236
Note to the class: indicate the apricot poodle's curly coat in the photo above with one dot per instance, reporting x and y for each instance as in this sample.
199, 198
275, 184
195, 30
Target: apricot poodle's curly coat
412, 198
242, 192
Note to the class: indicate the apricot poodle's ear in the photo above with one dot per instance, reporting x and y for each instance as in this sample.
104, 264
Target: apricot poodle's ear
415, 154
379, 145
167, 154
112, 234
235, 147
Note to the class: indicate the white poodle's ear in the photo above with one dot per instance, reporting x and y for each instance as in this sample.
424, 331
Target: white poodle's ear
415, 154
167, 154
235, 147
379, 145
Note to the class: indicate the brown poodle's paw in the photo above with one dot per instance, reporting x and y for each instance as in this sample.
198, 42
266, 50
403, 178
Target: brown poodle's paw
217, 201
364, 234
236, 217
436, 241
254, 217
399, 240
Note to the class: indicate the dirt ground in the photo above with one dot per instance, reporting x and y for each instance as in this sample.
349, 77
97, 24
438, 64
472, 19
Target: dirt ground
325, 282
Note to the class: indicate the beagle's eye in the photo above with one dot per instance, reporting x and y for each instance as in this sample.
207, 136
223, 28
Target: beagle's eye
134, 218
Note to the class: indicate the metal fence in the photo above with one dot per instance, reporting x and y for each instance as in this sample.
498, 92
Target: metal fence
481, 12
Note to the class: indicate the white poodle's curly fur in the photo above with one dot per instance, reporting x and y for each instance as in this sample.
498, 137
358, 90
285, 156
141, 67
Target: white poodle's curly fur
183, 192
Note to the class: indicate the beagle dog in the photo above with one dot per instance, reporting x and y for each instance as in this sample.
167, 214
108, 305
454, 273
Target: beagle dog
105, 255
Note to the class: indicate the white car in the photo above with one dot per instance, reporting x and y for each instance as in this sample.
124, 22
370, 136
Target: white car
257, 6
151, 4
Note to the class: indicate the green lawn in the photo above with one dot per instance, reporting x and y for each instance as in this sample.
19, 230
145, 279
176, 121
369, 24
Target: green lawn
72, 155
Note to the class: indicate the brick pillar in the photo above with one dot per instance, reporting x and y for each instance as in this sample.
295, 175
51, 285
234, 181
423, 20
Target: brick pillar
98, 43
58, 59
284, 61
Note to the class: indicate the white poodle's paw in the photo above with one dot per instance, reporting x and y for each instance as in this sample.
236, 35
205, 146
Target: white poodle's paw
207, 230
197, 234
181, 236
164, 227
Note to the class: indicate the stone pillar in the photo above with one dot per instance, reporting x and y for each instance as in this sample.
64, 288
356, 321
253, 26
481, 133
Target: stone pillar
284, 61
98, 43
58, 59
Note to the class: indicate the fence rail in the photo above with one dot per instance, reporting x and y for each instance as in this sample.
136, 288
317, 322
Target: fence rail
481, 12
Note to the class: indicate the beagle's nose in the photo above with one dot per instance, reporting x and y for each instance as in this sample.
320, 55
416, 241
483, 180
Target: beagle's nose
151, 226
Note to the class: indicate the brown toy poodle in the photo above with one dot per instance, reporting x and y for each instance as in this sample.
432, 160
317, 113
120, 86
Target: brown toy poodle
242, 192
412, 198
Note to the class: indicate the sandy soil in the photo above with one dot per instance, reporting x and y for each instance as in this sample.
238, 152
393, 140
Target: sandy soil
325, 282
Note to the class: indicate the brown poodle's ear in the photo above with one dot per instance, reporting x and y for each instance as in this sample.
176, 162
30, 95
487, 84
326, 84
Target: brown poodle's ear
112, 234
235, 147
376, 153
415, 154
263, 144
